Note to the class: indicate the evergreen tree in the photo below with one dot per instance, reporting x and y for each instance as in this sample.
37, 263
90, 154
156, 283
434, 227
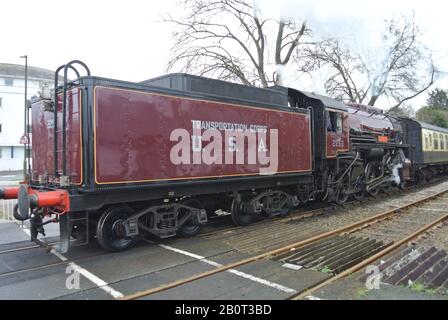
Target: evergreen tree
433, 115
438, 98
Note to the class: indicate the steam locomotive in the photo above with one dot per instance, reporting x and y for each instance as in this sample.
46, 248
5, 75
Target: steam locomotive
120, 161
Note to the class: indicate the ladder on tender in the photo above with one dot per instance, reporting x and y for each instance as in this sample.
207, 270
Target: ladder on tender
65, 220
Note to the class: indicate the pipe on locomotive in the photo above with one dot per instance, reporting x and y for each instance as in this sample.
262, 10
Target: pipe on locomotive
9, 193
28, 198
48, 199
36, 198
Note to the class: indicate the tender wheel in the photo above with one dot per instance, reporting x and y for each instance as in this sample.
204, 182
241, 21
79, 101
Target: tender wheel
239, 215
110, 231
190, 227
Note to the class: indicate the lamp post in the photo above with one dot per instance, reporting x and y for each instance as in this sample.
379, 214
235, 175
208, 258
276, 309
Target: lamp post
26, 133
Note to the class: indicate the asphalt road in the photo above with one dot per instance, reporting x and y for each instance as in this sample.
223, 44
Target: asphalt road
35, 273
89, 272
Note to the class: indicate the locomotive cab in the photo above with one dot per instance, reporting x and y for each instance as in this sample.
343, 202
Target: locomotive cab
337, 131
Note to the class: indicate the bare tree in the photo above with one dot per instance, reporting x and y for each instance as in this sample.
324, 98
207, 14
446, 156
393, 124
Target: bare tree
347, 79
230, 40
405, 71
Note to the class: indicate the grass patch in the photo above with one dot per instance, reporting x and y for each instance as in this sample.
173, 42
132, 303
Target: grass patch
416, 286
362, 292
326, 269
419, 287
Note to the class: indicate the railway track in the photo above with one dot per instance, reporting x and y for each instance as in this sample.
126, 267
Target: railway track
20, 249
47, 265
313, 240
262, 226
301, 214
401, 240
276, 233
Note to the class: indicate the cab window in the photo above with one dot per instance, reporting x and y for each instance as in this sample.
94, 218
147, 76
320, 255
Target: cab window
334, 121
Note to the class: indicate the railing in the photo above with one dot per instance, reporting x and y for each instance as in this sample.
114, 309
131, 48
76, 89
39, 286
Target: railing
6, 209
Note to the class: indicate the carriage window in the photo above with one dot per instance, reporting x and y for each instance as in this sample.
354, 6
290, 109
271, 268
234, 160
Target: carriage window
334, 121
436, 141
426, 146
442, 142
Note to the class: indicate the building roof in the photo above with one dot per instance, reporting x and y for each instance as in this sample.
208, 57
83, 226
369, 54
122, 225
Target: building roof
18, 71
432, 127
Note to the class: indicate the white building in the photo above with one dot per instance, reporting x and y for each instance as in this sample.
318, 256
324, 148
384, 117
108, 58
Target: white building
12, 91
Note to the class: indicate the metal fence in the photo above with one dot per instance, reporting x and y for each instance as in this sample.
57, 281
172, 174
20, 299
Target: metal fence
6, 209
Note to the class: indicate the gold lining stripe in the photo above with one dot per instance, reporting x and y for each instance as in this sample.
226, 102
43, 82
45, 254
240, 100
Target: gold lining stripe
190, 99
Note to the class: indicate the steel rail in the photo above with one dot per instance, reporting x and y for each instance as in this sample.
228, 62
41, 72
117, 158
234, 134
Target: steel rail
20, 249
298, 215
293, 216
53, 264
367, 261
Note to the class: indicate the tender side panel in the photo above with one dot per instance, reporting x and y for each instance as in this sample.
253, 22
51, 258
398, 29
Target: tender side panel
43, 138
133, 128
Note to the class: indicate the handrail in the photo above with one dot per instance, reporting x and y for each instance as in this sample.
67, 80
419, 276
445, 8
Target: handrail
55, 113
66, 67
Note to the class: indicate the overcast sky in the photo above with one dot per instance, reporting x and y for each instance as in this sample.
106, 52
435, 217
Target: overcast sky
125, 40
